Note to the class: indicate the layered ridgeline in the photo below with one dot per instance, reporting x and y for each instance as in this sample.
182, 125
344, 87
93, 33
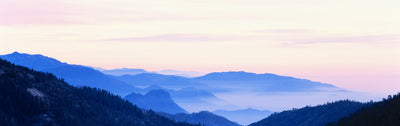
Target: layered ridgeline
166, 81
383, 113
232, 84
124, 71
133, 71
157, 100
230, 81
214, 82
266, 82
75, 75
214, 91
203, 117
28, 97
190, 98
79, 75
311, 116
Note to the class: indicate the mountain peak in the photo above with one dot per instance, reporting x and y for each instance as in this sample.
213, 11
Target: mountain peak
15, 53
33, 61
157, 100
159, 94
230, 75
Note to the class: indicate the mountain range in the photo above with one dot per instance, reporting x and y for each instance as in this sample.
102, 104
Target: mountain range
135, 71
166, 81
213, 82
237, 80
76, 75
208, 92
229, 81
28, 97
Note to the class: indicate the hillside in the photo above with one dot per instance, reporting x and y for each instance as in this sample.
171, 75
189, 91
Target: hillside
28, 97
244, 116
75, 75
383, 113
36, 61
311, 116
203, 117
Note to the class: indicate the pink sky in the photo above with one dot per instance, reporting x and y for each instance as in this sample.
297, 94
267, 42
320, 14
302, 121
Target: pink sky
353, 44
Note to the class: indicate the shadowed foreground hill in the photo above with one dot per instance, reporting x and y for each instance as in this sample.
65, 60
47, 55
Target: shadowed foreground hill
311, 116
28, 97
244, 116
383, 113
203, 117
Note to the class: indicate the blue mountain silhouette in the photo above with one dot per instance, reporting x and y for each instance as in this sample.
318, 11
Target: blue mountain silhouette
76, 75
157, 100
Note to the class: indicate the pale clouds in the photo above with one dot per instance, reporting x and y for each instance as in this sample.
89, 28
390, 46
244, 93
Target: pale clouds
282, 31
24, 12
284, 37
186, 38
361, 39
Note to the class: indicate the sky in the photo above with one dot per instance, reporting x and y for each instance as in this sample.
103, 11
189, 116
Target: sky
353, 44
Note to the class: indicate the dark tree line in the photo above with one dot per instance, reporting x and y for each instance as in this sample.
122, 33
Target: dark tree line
311, 116
28, 97
204, 117
383, 113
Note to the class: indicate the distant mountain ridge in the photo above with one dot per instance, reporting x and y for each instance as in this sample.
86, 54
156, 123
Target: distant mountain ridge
166, 81
36, 61
237, 75
262, 82
76, 75
217, 81
188, 74
157, 100
135, 71
222, 81
124, 71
